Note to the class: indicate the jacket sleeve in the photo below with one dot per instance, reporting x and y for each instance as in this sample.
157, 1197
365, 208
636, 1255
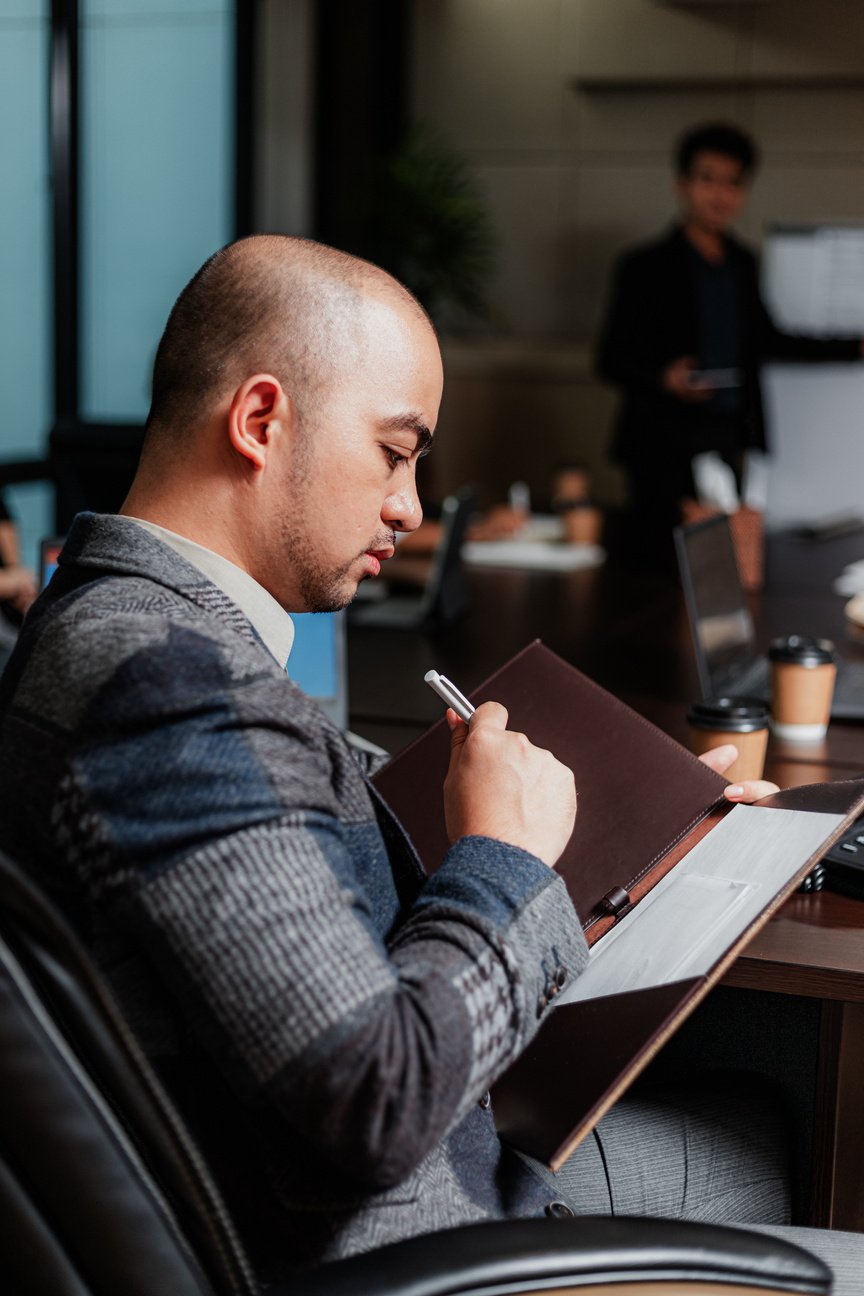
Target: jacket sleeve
242, 860
624, 351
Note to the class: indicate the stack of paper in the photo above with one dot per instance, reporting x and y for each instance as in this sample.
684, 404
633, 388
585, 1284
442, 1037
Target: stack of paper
539, 555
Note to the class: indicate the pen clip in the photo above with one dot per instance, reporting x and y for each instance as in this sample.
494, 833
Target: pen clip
457, 696
449, 693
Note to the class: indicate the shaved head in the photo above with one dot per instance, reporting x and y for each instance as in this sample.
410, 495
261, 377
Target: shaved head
294, 390
271, 304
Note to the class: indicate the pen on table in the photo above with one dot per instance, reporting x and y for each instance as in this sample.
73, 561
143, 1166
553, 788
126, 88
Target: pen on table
450, 694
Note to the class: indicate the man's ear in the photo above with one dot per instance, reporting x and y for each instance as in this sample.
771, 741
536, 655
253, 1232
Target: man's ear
258, 408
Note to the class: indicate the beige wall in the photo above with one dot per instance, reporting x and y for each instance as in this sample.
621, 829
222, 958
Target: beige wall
567, 110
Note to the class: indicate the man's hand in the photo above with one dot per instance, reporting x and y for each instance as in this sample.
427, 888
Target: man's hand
719, 759
500, 785
678, 380
18, 587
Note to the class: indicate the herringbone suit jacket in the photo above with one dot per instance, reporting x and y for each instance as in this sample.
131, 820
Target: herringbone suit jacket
327, 1017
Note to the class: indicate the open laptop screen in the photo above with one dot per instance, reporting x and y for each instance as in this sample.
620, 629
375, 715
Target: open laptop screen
317, 662
49, 551
722, 627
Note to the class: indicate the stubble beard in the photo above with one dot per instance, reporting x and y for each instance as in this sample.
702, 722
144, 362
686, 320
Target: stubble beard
324, 591
321, 589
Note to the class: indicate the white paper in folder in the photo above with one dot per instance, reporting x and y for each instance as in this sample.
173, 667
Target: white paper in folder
700, 908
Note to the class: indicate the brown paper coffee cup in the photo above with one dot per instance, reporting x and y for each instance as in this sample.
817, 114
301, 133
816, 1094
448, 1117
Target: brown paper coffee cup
742, 721
801, 699
802, 687
582, 525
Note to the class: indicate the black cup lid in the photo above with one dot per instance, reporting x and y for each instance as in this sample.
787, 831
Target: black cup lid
565, 504
729, 714
802, 650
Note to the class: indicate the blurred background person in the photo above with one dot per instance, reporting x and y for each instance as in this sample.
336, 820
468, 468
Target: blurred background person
684, 337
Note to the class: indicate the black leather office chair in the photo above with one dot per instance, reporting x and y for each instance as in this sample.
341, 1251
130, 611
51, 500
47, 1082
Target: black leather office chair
103, 1192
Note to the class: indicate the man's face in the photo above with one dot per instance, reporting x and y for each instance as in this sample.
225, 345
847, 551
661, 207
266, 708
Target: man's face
349, 481
712, 193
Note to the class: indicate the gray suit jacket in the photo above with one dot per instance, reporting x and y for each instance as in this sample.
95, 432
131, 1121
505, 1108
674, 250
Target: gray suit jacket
327, 1017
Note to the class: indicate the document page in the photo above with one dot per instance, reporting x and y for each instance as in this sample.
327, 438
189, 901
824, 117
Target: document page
685, 925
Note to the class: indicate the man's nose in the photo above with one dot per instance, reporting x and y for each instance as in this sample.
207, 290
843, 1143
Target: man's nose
402, 510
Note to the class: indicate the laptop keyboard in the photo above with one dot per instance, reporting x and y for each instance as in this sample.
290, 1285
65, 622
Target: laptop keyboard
842, 868
849, 686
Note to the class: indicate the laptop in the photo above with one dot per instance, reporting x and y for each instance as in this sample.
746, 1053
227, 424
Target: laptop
728, 658
444, 596
318, 661
49, 552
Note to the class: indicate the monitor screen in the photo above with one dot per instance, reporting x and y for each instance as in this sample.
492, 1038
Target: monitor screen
317, 661
49, 551
720, 619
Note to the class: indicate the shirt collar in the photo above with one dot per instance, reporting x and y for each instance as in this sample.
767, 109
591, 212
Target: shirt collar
269, 618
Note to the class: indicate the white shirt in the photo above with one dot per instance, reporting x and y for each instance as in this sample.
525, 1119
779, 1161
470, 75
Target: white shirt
269, 618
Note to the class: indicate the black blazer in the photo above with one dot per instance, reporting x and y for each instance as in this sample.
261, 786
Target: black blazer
653, 319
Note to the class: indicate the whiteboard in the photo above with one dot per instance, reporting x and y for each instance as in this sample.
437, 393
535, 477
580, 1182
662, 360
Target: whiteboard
813, 282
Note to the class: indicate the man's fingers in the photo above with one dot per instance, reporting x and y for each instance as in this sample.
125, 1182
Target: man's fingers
489, 715
747, 790
458, 729
500, 785
720, 758
750, 790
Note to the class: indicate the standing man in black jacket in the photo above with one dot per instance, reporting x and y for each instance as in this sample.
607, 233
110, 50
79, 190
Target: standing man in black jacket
685, 335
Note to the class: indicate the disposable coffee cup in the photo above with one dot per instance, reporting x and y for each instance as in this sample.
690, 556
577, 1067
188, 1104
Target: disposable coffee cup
582, 522
739, 720
802, 687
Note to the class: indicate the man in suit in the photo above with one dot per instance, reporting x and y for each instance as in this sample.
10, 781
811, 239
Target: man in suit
685, 335
328, 1018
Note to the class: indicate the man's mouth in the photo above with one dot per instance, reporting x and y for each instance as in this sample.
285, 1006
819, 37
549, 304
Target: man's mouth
377, 556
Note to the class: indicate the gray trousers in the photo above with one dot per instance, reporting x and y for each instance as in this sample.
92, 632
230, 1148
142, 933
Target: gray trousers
717, 1152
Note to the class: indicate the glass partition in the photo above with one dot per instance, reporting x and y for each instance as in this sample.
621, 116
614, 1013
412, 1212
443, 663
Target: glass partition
156, 179
25, 255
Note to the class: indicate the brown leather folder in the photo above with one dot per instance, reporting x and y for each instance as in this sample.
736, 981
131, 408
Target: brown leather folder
644, 803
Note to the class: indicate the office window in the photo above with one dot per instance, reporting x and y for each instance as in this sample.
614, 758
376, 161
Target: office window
25, 253
156, 177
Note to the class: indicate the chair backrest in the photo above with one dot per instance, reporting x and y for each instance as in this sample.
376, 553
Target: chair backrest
101, 1188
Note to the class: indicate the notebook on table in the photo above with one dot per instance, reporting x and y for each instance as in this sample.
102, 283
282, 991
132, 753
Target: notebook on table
670, 882
728, 657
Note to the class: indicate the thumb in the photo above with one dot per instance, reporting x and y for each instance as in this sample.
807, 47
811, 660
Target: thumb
488, 715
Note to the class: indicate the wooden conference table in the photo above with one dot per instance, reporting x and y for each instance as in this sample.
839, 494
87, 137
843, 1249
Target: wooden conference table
629, 632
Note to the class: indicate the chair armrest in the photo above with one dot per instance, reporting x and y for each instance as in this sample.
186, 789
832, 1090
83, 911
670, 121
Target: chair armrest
509, 1256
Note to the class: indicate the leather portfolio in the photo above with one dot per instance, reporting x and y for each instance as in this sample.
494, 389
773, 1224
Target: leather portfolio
669, 880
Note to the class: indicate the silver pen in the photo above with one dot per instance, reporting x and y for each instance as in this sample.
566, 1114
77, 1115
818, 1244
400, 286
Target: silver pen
450, 694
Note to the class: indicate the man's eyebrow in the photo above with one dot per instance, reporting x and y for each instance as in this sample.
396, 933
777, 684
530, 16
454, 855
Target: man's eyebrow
410, 423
